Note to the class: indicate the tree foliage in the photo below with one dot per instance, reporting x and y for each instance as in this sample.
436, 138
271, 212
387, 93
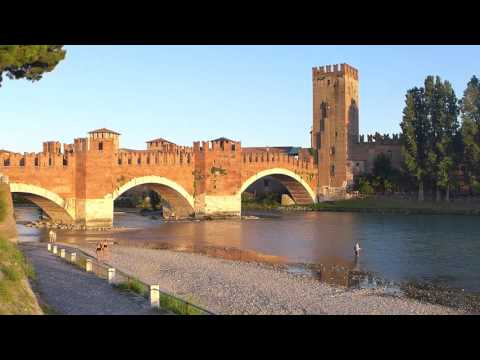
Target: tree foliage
470, 131
415, 131
430, 133
29, 61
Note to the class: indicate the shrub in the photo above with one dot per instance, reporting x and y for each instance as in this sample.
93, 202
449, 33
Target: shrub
365, 188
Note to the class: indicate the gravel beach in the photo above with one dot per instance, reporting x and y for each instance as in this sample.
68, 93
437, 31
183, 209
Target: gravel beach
234, 287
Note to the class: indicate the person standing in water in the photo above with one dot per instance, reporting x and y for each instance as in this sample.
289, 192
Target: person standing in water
357, 250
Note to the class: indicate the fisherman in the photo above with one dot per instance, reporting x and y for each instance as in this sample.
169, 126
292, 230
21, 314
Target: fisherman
357, 250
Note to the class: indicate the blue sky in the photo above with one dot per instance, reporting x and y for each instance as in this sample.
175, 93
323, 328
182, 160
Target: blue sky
260, 95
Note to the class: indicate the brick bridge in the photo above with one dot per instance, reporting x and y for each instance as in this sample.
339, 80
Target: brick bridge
79, 184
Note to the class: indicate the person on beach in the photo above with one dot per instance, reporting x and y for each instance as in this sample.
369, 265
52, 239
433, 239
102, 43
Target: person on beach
52, 236
99, 251
357, 250
106, 250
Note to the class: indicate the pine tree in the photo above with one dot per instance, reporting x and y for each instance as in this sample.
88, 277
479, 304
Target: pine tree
29, 61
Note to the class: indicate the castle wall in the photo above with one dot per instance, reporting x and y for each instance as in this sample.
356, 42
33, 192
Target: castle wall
365, 152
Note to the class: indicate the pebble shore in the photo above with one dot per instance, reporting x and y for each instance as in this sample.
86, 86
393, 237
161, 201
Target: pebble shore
234, 287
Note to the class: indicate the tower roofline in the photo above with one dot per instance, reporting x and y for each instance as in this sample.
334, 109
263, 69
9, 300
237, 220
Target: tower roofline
343, 69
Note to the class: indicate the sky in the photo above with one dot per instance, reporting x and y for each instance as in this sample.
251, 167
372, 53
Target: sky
260, 95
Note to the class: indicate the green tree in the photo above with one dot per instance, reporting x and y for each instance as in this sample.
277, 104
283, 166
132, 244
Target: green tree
443, 114
29, 61
470, 131
154, 199
430, 134
364, 187
416, 129
384, 172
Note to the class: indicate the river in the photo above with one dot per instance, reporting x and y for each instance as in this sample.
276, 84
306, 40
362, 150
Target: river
439, 249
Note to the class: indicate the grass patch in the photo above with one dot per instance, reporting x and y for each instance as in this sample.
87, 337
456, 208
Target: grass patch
167, 302
178, 306
81, 262
399, 206
3, 206
15, 295
268, 202
133, 285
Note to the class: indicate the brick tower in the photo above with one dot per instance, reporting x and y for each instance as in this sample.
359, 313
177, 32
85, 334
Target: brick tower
335, 125
95, 161
217, 177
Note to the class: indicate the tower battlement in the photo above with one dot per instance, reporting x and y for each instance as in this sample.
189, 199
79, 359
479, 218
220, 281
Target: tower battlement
337, 69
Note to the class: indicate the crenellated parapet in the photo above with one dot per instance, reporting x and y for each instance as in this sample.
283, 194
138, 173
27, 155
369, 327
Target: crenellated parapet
336, 69
382, 139
155, 158
36, 160
278, 158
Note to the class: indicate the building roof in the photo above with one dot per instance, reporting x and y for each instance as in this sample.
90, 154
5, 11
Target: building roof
224, 139
103, 130
160, 140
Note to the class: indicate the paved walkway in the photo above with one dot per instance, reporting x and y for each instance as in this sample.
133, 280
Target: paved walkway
69, 290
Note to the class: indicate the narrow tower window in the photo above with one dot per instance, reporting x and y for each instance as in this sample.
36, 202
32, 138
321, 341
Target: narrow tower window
323, 108
100, 146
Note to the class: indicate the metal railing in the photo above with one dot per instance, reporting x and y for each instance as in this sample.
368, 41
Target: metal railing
124, 281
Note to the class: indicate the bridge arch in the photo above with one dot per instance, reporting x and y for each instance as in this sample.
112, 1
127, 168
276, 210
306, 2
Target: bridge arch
175, 194
51, 203
301, 191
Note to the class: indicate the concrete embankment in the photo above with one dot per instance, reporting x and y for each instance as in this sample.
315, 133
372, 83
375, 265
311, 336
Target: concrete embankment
234, 287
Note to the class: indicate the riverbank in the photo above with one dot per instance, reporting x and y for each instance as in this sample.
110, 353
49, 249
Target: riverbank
234, 287
384, 206
16, 296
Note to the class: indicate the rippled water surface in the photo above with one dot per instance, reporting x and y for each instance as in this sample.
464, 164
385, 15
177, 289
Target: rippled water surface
442, 249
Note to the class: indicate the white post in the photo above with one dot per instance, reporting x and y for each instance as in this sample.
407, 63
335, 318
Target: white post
73, 257
155, 296
55, 249
88, 266
111, 275
62, 253
49, 247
